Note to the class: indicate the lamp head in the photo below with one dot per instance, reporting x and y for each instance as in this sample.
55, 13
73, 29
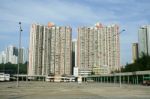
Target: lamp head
123, 30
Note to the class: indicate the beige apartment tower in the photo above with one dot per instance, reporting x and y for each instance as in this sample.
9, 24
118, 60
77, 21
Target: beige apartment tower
134, 52
50, 50
98, 48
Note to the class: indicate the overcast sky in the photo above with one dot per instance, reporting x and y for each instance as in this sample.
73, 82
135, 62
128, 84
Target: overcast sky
128, 14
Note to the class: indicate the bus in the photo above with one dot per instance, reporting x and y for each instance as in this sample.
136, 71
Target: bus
4, 77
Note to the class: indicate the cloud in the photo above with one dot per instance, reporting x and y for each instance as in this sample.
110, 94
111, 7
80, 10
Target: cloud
129, 14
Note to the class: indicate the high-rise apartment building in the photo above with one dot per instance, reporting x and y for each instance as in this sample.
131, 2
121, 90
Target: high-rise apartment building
11, 54
98, 48
50, 50
22, 55
3, 57
144, 40
134, 52
26, 55
74, 54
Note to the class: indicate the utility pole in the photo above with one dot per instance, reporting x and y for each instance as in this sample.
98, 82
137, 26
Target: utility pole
20, 30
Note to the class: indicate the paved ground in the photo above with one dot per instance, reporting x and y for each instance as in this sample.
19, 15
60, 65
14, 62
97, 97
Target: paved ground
46, 90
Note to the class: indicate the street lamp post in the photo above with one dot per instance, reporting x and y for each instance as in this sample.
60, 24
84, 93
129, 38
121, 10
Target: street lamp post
20, 30
120, 66
120, 78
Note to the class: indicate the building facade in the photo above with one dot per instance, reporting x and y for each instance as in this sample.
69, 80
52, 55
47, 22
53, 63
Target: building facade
26, 55
50, 50
134, 52
3, 57
98, 47
23, 55
74, 54
144, 40
11, 54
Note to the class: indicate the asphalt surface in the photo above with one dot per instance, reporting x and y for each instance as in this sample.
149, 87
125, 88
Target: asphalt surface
47, 90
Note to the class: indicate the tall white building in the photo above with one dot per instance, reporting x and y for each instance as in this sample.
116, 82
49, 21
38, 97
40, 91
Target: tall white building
144, 40
23, 55
3, 57
134, 52
11, 54
98, 49
74, 54
50, 50
26, 55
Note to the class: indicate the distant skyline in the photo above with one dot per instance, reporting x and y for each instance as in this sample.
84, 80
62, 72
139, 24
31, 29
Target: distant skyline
10, 54
128, 14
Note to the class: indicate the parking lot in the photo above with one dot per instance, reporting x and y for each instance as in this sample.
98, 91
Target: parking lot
72, 90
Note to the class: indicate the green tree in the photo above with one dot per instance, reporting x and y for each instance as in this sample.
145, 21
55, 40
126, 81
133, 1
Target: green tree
141, 64
12, 68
